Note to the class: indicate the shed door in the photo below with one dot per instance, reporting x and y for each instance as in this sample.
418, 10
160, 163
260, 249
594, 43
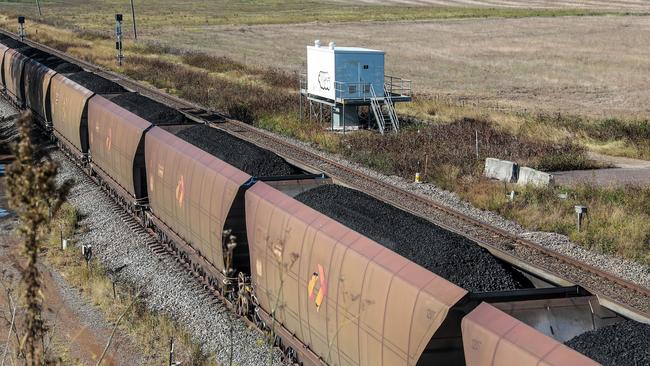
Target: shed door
366, 76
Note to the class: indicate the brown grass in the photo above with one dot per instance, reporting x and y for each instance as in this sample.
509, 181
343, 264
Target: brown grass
241, 99
447, 148
591, 66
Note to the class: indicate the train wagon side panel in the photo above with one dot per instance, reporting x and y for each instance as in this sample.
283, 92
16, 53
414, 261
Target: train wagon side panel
11, 71
68, 102
37, 79
352, 301
3, 51
190, 191
492, 337
116, 144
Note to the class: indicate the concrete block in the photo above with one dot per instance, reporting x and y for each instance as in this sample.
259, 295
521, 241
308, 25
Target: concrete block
502, 170
534, 177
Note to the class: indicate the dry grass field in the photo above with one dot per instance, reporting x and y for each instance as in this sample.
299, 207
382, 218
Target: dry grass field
534, 55
539, 4
595, 66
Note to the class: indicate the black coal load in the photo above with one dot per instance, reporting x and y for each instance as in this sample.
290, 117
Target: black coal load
96, 83
56, 63
32, 52
63, 67
622, 344
66, 68
150, 110
12, 43
444, 253
238, 153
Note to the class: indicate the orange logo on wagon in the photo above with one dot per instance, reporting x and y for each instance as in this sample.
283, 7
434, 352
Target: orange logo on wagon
109, 139
317, 294
180, 190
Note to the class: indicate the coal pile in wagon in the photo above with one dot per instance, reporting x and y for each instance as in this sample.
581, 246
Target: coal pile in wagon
96, 83
57, 64
32, 52
149, 109
12, 43
63, 67
238, 153
444, 253
622, 344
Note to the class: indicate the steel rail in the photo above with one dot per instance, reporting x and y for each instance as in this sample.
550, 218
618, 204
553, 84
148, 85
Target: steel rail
628, 298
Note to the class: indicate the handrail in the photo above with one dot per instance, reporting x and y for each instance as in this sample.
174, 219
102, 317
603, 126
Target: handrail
376, 110
397, 86
360, 90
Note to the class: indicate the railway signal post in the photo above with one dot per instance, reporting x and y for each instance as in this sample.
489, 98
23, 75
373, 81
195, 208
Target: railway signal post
21, 28
118, 38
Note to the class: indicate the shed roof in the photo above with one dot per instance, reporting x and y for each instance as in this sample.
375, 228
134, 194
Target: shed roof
338, 49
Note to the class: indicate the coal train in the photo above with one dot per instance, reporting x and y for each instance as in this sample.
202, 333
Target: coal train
331, 294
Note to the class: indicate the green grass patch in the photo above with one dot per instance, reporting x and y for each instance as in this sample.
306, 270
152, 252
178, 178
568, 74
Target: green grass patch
616, 223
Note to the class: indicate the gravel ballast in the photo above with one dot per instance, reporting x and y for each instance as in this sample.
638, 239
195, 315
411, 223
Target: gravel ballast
150, 110
447, 254
96, 83
622, 344
238, 153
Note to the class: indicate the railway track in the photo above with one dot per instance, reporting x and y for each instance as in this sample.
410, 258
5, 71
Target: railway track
620, 295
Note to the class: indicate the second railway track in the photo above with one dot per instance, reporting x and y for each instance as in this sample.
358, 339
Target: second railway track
628, 298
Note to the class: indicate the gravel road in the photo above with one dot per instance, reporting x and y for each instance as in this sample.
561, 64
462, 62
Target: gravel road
624, 171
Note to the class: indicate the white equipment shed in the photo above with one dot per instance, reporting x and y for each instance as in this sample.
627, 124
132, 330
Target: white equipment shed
347, 78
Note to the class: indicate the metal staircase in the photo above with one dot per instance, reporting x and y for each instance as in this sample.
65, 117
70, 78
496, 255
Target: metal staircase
384, 111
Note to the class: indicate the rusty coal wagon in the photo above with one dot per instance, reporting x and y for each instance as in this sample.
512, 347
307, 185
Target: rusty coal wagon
337, 297
69, 95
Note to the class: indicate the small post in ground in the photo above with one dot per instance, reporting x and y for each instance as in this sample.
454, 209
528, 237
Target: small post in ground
171, 354
87, 252
426, 165
581, 214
